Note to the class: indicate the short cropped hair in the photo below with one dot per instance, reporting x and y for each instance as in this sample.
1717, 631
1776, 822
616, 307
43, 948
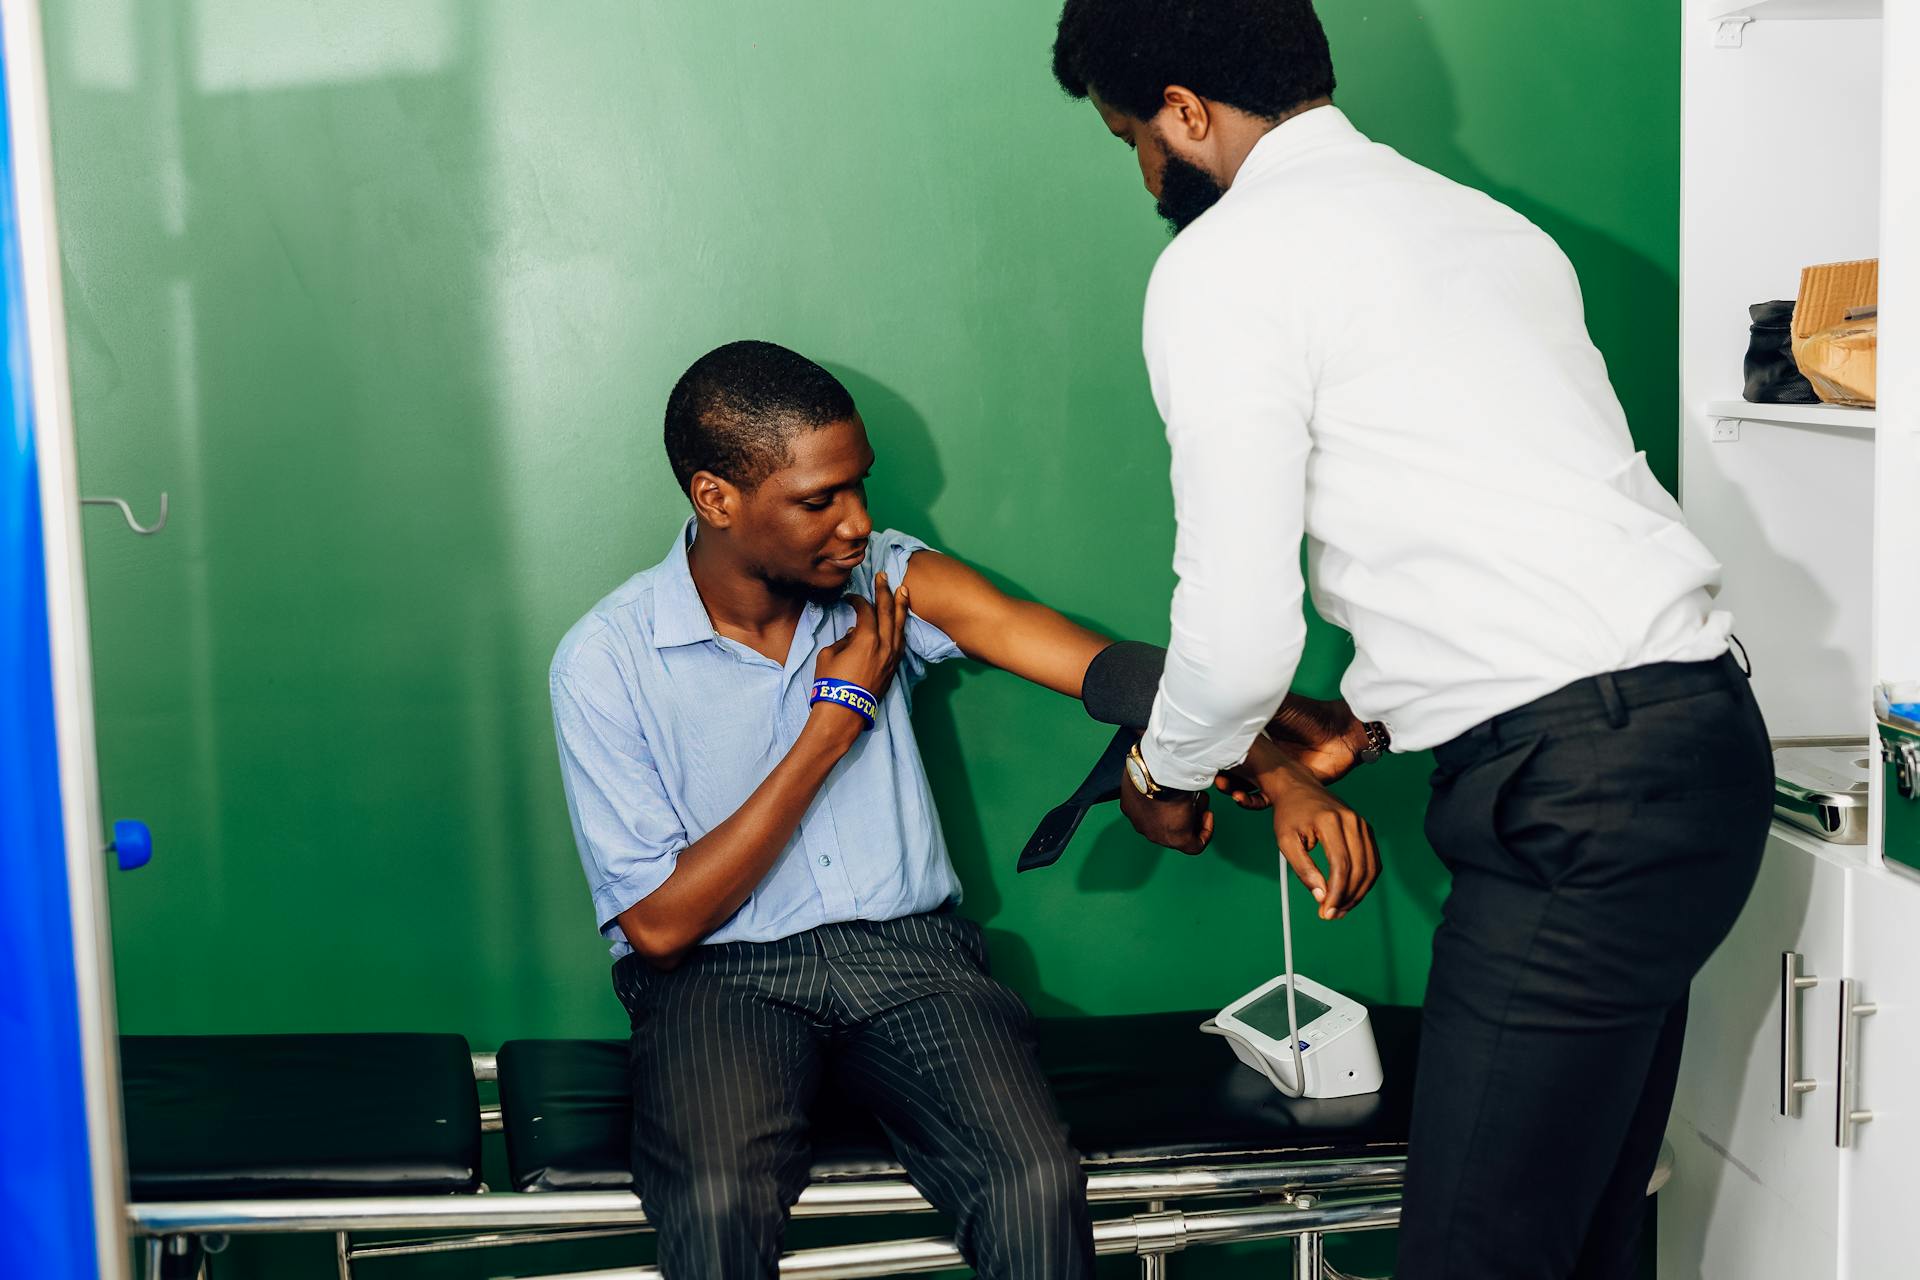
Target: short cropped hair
1265, 57
735, 411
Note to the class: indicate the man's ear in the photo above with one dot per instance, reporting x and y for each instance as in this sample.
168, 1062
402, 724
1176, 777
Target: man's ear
1189, 112
715, 501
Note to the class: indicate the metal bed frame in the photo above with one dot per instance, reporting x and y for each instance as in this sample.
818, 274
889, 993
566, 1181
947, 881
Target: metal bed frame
1302, 1200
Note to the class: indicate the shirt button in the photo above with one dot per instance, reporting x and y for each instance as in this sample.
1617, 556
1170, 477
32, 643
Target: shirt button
825, 861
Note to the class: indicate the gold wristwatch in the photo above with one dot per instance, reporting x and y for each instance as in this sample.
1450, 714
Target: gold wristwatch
1143, 781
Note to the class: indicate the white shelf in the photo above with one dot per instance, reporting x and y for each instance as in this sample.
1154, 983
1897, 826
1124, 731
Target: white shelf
1843, 855
1802, 9
1794, 415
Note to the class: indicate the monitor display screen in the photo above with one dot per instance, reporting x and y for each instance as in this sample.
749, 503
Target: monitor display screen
1268, 1014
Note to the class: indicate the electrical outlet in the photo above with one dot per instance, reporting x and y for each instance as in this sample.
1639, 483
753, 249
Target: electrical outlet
1726, 430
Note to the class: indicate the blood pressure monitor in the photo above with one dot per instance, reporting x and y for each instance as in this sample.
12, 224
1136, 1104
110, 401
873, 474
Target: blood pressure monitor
1308, 1040
1334, 1047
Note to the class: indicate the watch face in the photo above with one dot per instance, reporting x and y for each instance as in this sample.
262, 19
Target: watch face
1137, 775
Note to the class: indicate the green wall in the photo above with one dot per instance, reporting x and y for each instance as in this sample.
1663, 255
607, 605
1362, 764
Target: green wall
388, 297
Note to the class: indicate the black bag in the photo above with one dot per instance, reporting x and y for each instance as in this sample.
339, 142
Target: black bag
1772, 376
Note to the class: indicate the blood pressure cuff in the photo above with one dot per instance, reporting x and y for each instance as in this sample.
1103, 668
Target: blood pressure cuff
1119, 688
1122, 681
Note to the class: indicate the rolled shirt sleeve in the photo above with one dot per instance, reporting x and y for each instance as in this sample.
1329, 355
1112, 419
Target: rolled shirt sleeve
624, 825
1231, 374
892, 552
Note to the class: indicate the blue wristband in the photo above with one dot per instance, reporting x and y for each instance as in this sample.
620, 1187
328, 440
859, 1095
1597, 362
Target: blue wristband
847, 694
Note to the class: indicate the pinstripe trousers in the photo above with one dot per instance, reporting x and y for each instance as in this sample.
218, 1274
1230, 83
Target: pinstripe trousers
730, 1050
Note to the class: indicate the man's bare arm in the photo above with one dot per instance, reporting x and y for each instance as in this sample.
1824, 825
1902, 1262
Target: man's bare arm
1028, 639
1038, 644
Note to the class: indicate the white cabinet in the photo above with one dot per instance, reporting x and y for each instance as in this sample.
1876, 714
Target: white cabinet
1880, 1170
1797, 150
1755, 1193
1758, 1194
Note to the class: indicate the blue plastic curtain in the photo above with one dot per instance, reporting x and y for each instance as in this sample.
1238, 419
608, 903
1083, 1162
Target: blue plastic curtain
46, 1197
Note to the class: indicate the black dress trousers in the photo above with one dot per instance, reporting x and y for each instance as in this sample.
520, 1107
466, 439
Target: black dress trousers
730, 1050
1602, 841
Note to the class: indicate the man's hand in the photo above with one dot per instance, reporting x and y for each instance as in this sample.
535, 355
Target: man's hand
869, 654
1323, 736
1306, 815
1177, 820
1242, 782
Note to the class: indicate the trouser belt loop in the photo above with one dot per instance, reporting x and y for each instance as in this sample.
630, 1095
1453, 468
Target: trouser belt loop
1610, 698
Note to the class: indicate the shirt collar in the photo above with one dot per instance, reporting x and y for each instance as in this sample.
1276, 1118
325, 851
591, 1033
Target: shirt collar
1305, 132
679, 615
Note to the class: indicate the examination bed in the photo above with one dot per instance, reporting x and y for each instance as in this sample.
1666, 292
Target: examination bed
358, 1135
354, 1135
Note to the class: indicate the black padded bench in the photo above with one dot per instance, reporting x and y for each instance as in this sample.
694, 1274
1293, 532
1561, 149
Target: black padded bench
349, 1134
248, 1117
1136, 1090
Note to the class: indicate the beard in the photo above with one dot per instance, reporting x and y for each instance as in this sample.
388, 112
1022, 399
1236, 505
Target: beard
1186, 192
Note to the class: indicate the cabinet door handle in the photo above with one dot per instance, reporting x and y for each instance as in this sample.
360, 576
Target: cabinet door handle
1792, 983
1847, 1115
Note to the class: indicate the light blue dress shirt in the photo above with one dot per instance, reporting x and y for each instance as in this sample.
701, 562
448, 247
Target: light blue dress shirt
665, 728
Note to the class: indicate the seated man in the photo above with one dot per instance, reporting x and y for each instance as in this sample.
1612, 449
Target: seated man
763, 851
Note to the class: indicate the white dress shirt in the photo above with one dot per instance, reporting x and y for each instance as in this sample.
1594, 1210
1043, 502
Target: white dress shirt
1353, 347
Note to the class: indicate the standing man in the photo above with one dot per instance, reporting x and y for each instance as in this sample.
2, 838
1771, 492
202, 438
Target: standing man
1351, 347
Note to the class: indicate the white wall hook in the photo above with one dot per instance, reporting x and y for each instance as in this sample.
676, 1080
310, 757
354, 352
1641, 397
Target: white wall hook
127, 512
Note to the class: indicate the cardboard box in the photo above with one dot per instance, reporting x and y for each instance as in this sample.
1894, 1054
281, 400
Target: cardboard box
1838, 355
